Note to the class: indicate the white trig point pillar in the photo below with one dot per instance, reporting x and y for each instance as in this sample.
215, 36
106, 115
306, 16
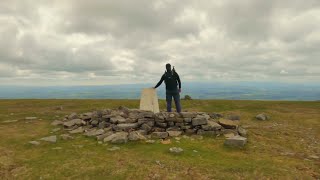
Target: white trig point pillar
149, 100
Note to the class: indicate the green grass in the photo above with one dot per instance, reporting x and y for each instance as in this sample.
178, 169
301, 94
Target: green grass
294, 128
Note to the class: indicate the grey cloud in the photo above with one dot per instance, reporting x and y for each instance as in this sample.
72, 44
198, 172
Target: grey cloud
96, 42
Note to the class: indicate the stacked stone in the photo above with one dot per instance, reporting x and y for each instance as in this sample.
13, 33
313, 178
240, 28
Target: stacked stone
123, 124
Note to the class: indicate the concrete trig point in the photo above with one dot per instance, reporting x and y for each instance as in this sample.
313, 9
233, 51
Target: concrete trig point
149, 100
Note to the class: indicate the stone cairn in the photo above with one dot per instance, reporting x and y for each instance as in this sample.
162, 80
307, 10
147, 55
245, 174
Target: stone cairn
124, 124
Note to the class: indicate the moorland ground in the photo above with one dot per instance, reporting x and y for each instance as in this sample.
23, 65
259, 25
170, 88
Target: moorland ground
285, 147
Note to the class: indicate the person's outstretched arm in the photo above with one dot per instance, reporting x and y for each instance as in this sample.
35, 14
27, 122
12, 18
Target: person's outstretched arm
160, 82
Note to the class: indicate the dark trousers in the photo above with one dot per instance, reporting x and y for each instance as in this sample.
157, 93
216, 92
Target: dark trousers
176, 97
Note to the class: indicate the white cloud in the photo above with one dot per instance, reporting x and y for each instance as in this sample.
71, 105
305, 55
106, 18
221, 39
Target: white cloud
105, 42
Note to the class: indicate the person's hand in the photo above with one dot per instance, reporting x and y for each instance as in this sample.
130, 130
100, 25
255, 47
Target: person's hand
180, 90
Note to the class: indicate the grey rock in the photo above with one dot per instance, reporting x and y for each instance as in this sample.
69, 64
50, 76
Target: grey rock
185, 127
148, 114
211, 126
179, 124
173, 128
73, 122
73, 116
146, 127
102, 125
143, 132
199, 121
176, 150
56, 123
94, 132
102, 136
36, 143
174, 133
236, 141
151, 123
127, 126
160, 117
135, 136
242, 131
190, 131
228, 124
52, 139
157, 129
77, 131
230, 131
66, 137
162, 125
188, 114
262, 117
117, 138
172, 117
87, 116
187, 120
118, 120
170, 123
159, 135
114, 148
94, 122
124, 109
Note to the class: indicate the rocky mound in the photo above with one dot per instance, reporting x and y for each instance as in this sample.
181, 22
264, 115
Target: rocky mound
123, 124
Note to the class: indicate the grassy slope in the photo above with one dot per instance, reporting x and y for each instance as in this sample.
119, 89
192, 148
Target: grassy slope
295, 127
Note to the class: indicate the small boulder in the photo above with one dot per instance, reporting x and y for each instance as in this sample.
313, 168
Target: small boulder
73, 116
174, 133
77, 131
118, 120
199, 121
235, 141
188, 114
176, 150
117, 138
146, 127
242, 131
102, 136
135, 136
162, 125
159, 135
211, 126
262, 117
94, 132
52, 139
114, 148
73, 122
228, 124
127, 126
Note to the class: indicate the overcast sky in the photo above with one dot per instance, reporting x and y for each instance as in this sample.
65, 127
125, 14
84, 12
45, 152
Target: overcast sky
86, 42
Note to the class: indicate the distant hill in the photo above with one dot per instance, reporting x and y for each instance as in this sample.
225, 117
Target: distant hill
216, 90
